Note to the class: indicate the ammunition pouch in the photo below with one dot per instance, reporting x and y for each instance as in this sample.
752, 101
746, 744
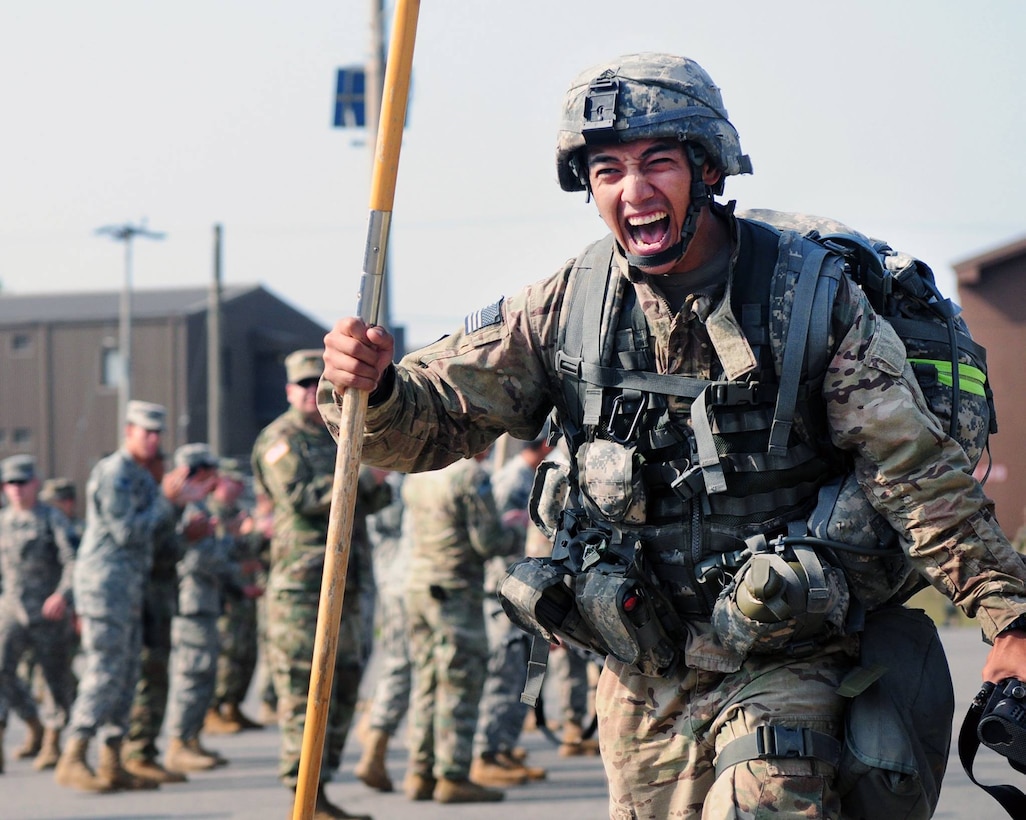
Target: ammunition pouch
597, 593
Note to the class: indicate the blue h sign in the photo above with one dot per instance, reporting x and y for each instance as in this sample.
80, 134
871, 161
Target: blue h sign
350, 97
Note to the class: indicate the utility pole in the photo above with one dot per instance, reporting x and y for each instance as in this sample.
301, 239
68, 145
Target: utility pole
214, 399
126, 233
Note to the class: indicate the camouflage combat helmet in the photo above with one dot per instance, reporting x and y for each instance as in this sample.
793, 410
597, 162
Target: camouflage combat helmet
645, 96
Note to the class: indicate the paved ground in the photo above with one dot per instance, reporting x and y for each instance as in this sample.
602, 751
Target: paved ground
574, 791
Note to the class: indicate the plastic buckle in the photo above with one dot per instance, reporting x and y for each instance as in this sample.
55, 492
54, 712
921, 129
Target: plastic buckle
781, 741
733, 393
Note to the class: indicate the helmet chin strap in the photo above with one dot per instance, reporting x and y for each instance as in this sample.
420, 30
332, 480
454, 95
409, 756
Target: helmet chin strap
701, 195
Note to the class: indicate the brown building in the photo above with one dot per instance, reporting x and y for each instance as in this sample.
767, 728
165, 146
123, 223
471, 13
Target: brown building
59, 369
992, 292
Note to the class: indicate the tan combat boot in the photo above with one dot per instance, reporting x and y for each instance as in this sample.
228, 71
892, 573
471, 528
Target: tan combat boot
516, 762
419, 786
49, 751
185, 756
33, 740
111, 770
574, 744
217, 724
464, 791
219, 759
324, 809
73, 771
489, 770
371, 766
233, 714
141, 764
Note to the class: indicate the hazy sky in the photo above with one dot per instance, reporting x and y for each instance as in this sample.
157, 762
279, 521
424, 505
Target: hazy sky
905, 119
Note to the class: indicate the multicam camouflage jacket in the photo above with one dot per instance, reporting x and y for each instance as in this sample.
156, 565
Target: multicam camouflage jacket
499, 374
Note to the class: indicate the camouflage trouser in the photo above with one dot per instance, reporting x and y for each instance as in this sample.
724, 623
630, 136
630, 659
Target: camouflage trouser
111, 647
660, 738
150, 702
502, 712
291, 625
392, 687
450, 655
194, 649
568, 668
50, 642
237, 630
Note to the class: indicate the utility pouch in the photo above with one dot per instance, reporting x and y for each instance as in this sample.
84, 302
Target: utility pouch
898, 723
536, 597
611, 487
619, 609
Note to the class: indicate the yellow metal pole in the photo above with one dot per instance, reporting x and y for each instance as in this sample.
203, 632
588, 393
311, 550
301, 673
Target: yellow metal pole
354, 406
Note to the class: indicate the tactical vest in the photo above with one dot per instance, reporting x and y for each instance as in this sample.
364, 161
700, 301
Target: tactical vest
745, 458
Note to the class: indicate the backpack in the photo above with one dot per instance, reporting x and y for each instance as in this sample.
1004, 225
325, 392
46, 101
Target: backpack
950, 367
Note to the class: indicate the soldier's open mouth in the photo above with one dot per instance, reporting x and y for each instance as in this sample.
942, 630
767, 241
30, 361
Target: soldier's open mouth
648, 232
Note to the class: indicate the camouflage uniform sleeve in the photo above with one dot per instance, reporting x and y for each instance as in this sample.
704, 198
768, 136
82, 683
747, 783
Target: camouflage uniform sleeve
60, 526
915, 475
454, 398
488, 536
288, 478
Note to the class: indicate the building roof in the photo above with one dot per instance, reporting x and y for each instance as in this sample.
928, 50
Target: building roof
98, 306
968, 271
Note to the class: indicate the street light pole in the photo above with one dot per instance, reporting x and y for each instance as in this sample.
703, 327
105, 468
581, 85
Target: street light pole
126, 233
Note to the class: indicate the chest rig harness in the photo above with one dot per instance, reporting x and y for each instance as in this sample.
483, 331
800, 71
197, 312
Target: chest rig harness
676, 480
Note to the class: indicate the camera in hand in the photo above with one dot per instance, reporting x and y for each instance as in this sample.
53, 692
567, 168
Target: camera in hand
1002, 726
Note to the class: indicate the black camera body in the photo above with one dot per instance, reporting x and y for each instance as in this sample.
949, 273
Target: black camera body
1002, 725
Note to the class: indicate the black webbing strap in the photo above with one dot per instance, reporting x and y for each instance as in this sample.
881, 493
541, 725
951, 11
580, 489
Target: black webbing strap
797, 334
535, 670
1011, 799
768, 742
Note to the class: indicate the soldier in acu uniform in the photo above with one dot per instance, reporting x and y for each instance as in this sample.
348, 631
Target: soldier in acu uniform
37, 561
677, 468
454, 528
294, 466
124, 507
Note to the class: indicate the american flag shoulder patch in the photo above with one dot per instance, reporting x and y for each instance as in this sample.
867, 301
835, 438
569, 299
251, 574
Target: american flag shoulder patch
490, 315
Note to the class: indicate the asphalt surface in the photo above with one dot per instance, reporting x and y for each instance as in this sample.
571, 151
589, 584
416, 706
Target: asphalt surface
574, 790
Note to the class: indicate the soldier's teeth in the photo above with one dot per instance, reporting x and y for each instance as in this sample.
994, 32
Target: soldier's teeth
647, 218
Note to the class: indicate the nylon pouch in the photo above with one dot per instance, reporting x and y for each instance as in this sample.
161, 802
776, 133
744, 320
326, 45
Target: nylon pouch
621, 611
898, 728
535, 596
611, 487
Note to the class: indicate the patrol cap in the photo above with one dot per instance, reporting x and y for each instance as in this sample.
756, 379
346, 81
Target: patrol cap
17, 468
58, 489
231, 468
195, 457
147, 415
303, 364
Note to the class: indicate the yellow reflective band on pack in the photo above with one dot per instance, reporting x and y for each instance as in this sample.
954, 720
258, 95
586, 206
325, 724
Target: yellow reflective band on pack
970, 379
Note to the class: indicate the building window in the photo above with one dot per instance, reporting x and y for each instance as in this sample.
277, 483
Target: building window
21, 344
21, 437
110, 367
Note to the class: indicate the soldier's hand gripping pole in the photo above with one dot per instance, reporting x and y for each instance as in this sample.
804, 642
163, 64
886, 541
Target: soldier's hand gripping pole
354, 406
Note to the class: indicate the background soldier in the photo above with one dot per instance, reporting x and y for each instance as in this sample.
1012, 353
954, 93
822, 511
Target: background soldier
454, 528
124, 506
294, 467
139, 754
237, 626
502, 712
37, 560
391, 699
61, 493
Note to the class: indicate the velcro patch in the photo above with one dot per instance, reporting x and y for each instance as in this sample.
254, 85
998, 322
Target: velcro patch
277, 452
490, 315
